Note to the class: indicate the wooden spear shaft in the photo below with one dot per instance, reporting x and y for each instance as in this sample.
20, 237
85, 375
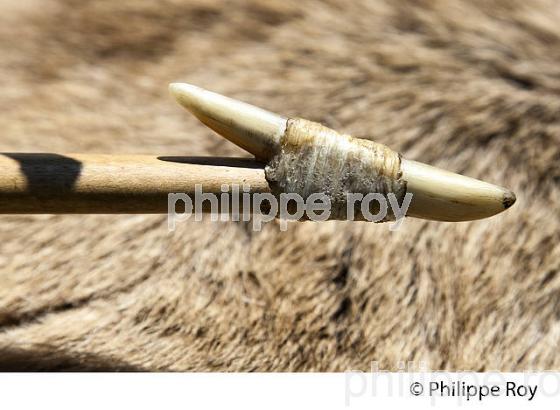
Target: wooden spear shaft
114, 184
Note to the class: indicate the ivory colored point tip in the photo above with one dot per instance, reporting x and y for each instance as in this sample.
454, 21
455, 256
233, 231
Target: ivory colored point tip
445, 196
255, 130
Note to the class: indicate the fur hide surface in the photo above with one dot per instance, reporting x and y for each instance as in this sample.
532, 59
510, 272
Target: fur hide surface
471, 86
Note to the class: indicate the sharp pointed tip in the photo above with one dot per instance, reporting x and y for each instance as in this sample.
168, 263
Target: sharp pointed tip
174, 88
255, 130
186, 95
447, 196
182, 86
509, 199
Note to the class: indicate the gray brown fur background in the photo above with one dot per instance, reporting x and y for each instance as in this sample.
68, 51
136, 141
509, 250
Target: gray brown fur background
470, 86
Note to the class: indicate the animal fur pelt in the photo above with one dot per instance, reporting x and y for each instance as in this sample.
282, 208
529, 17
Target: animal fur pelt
471, 86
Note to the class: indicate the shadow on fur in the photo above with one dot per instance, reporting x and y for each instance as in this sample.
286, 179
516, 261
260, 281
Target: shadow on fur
50, 359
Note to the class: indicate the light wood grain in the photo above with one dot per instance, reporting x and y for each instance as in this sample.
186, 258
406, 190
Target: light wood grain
104, 184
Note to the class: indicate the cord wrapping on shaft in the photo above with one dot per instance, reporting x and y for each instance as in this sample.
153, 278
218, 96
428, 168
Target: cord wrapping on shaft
317, 159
